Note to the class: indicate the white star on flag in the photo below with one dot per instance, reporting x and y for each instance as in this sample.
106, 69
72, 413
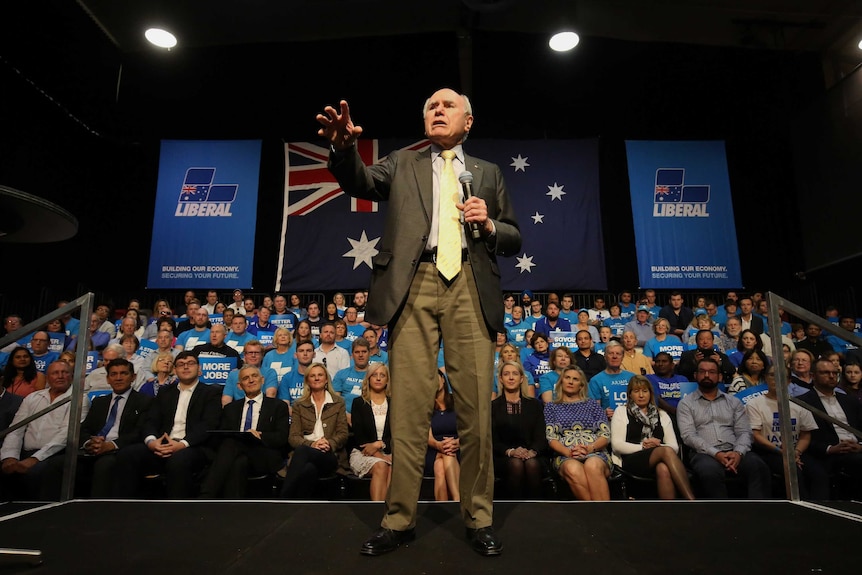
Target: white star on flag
538, 218
556, 192
520, 163
525, 263
363, 250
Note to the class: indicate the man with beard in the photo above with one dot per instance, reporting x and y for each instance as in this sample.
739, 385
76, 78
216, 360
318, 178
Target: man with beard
717, 429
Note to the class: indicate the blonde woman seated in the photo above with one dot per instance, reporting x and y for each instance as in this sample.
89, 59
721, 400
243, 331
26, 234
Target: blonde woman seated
318, 434
518, 432
578, 434
162, 369
642, 437
371, 431
444, 447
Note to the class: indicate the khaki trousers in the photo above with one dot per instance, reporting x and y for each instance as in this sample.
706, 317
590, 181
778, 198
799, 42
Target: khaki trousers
435, 310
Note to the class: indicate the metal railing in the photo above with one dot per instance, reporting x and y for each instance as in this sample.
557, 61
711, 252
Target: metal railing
85, 305
781, 380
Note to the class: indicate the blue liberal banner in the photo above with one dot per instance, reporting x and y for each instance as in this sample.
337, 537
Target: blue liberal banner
216, 369
553, 184
206, 209
683, 215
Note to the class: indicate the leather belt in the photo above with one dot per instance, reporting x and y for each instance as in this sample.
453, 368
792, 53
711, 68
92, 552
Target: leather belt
432, 256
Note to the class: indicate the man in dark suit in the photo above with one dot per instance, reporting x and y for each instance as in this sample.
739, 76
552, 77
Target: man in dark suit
9, 404
265, 423
114, 422
835, 448
749, 319
433, 278
175, 434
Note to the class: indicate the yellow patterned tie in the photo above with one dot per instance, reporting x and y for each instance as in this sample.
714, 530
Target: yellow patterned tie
449, 226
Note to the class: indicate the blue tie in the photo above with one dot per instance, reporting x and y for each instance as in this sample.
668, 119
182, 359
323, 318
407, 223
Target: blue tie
112, 417
248, 415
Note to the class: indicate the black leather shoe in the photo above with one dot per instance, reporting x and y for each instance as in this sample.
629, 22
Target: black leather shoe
386, 540
484, 541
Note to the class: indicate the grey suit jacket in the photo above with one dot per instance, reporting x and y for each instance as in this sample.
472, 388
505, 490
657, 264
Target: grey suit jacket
405, 180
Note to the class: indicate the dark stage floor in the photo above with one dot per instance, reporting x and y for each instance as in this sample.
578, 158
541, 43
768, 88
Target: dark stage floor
616, 538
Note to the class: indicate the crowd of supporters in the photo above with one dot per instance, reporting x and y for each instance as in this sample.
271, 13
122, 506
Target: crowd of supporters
683, 397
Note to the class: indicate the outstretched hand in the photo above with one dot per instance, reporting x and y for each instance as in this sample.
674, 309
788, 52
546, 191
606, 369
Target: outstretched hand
338, 128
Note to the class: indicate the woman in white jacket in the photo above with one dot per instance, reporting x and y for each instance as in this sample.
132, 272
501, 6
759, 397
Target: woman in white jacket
642, 437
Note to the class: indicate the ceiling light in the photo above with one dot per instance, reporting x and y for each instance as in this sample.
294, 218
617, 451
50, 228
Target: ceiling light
860, 45
564, 41
161, 38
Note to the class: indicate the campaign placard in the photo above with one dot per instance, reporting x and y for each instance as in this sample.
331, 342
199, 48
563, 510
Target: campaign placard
216, 369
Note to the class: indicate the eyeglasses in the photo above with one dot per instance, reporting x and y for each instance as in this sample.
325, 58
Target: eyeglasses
252, 352
190, 363
827, 372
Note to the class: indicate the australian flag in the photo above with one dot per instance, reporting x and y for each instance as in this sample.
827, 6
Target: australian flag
668, 185
196, 184
330, 238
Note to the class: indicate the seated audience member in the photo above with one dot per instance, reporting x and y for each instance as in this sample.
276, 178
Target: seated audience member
164, 343
750, 320
291, 386
354, 327
508, 305
442, 458
598, 313
578, 434
812, 341
162, 369
609, 386
265, 425
526, 351
766, 427
163, 313
187, 323
633, 360
98, 378
705, 349
584, 357
314, 318
839, 344
538, 363
211, 302
559, 359
238, 303
728, 341
42, 356
584, 324
677, 315
851, 383
130, 345
114, 422
330, 313
260, 323
9, 404
663, 341
516, 328
552, 321
238, 336
605, 335
283, 356
128, 326
31, 457
509, 352
20, 377
198, 335
295, 306
267, 302
373, 438
643, 437
641, 325
666, 384
566, 311
340, 303
518, 433
175, 434
318, 435
615, 322
217, 346
834, 447
700, 321
341, 339
106, 325
375, 352
752, 371
303, 333
348, 381
717, 429
335, 358
748, 340
801, 363
627, 308
535, 313
254, 358
99, 338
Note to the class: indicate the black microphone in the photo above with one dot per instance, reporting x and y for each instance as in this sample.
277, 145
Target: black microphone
466, 179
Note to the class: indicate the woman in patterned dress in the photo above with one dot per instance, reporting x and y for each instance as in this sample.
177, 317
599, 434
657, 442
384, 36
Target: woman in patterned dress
578, 433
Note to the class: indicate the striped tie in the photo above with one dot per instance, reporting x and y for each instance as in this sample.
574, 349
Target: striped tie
449, 226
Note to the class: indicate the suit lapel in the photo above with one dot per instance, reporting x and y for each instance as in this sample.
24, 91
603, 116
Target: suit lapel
472, 166
424, 182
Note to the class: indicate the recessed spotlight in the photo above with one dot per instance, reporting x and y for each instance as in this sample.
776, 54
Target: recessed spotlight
564, 41
161, 38
859, 45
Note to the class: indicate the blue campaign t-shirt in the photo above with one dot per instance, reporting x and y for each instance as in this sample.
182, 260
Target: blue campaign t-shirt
238, 342
192, 338
232, 388
627, 311
610, 389
348, 384
290, 386
515, 333
617, 325
281, 363
668, 388
672, 345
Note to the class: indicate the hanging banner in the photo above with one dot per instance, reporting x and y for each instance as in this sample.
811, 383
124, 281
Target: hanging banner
553, 185
206, 210
683, 216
